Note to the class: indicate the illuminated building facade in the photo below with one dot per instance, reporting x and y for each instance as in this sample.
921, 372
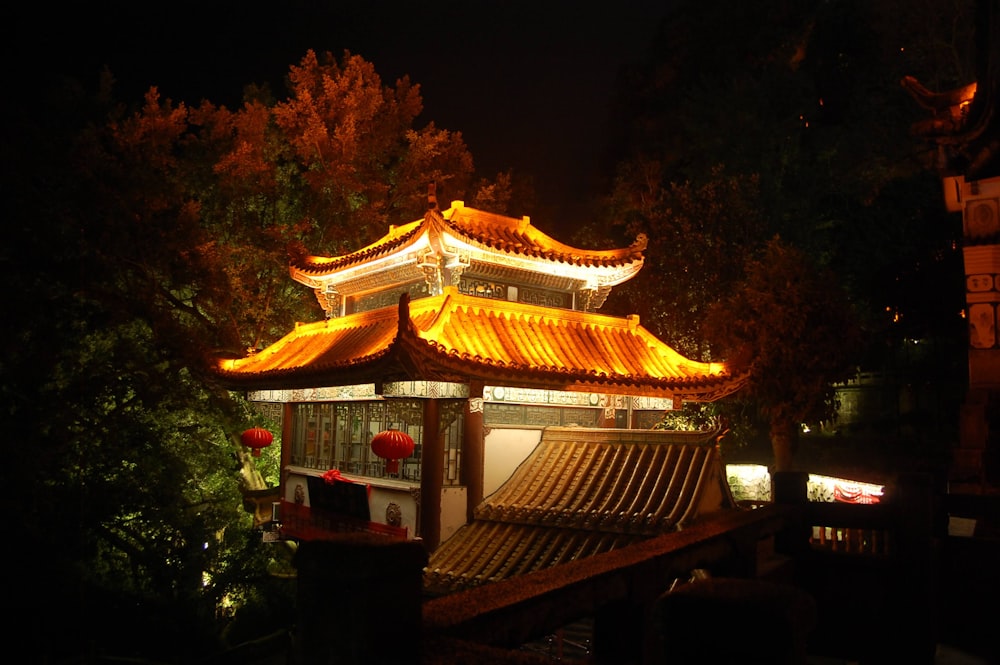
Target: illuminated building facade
477, 335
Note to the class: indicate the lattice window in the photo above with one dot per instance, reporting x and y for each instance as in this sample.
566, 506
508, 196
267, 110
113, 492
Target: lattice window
390, 298
453, 437
272, 411
337, 435
482, 288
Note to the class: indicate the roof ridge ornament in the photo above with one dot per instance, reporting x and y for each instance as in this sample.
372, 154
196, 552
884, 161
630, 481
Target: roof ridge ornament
404, 306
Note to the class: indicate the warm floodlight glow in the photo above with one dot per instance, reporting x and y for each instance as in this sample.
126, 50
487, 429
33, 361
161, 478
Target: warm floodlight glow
828, 488
752, 482
749, 482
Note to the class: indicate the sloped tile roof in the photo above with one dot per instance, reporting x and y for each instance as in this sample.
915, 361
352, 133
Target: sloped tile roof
519, 236
312, 351
455, 337
490, 231
583, 492
398, 237
487, 551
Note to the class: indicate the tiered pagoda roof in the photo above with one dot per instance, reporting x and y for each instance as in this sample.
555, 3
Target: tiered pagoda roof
444, 246
582, 492
460, 338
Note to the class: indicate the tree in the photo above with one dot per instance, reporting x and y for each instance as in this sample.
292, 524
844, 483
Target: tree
353, 142
790, 326
144, 243
116, 454
699, 234
798, 129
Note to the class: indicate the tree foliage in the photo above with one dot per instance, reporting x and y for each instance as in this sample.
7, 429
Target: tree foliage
145, 242
699, 235
353, 141
798, 129
790, 327
120, 455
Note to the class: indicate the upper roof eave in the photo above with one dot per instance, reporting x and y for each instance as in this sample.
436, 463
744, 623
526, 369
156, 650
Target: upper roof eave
490, 232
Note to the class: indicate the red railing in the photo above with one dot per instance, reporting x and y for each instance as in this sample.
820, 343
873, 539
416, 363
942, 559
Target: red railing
300, 522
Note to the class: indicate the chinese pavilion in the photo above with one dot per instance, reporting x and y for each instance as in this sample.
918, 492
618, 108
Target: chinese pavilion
477, 335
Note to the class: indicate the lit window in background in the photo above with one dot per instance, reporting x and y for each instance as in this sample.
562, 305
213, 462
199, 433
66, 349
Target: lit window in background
752, 482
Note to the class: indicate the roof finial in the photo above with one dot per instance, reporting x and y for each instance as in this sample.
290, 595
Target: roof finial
432, 201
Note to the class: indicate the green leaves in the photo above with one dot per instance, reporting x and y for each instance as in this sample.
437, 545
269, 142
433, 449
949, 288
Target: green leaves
149, 242
799, 130
698, 235
791, 326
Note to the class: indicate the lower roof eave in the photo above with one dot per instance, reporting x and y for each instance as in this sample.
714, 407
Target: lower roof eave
355, 376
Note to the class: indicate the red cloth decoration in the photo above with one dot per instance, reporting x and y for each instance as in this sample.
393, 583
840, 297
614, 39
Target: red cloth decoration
853, 494
333, 476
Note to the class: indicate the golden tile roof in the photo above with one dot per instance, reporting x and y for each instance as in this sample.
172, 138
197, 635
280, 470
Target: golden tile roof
456, 337
582, 492
460, 224
445, 246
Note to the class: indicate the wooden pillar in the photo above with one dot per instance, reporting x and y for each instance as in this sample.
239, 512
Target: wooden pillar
791, 488
287, 427
914, 589
473, 447
431, 476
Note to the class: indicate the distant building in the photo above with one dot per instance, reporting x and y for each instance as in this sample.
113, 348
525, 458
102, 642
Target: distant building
964, 129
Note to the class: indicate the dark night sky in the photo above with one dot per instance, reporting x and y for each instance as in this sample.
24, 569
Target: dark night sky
527, 83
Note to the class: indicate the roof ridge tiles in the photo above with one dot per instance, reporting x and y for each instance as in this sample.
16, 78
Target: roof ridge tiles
477, 228
561, 490
462, 336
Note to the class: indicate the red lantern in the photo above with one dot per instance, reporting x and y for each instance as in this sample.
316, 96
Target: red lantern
255, 439
392, 445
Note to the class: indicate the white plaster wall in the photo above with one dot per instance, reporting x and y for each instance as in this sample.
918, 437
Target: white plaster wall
452, 510
381, 497
504, 449
378, 499
296, 480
